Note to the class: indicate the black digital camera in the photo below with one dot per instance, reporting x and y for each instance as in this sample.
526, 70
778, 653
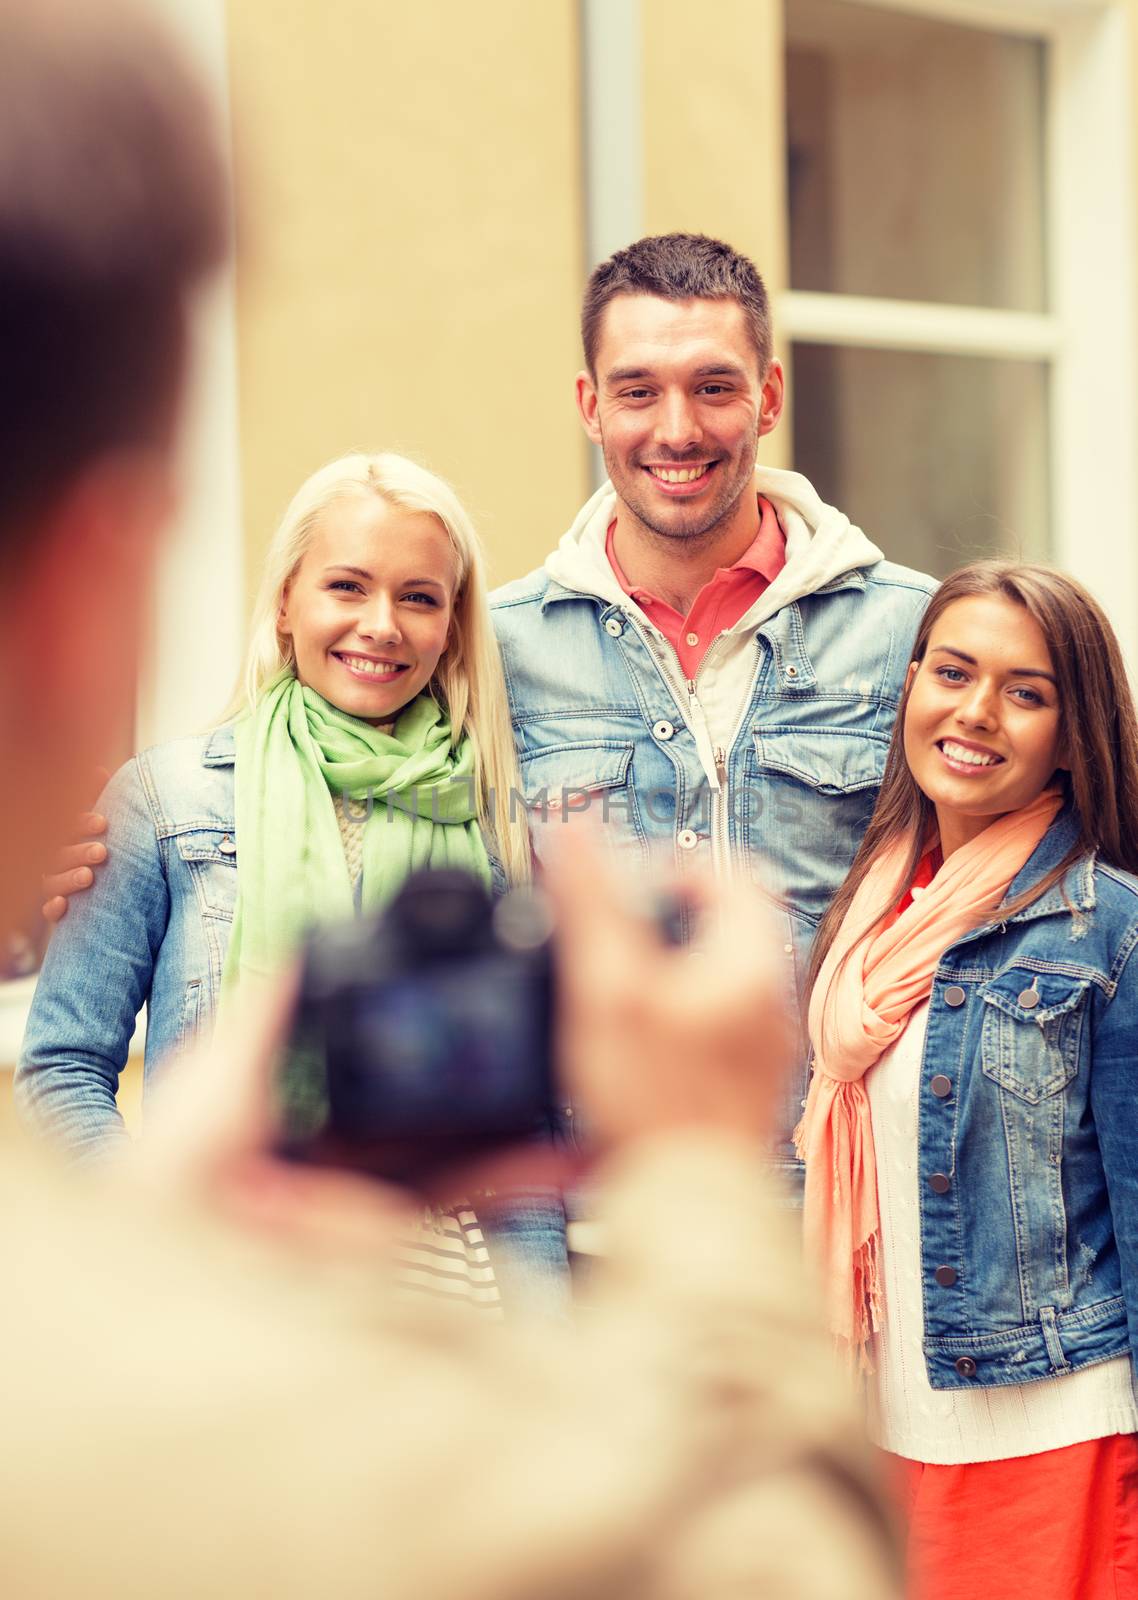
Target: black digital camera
422, 1033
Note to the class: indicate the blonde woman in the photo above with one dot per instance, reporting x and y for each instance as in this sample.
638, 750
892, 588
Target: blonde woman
371, 737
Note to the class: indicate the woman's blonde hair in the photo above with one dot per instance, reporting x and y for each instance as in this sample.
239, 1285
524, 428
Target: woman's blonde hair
468, 680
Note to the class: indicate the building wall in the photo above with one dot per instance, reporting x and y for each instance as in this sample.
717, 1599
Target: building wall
410, 256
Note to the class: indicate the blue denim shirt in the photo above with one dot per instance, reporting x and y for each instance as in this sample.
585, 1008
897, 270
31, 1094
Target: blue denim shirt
593, 713
154, 930
1029, 1107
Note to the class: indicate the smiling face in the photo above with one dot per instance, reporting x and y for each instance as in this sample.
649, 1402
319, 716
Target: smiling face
678, 404
369, 608
982, 721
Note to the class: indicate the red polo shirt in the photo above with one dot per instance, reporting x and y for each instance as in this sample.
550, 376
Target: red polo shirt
927, 868
724, 598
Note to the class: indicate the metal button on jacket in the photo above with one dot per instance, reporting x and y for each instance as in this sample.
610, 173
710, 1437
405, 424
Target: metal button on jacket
1028, 999
954, 995
227, 847
662, 730
965, 1366
688, 840
941, 1086
945, 1276
940, 1183
615, 627
792, 672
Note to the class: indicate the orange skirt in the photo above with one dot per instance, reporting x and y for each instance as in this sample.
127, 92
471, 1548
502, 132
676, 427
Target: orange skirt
1060, 1525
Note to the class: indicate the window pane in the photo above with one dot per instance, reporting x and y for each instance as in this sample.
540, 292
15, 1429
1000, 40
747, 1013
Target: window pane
916, 157
941, 459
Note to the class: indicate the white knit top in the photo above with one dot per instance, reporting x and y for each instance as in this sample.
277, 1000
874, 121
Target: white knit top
945, 1426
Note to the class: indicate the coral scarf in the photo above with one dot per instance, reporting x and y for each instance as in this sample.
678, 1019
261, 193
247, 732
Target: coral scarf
859, 1007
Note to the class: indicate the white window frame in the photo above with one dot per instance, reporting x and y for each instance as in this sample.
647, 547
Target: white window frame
1089, 337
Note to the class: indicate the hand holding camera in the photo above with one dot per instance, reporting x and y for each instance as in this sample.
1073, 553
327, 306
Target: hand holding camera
647, 1037
450, 1025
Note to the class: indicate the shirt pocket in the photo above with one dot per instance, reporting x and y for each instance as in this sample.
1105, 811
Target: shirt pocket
210, 858
1031, 1033
810, 795
592, 779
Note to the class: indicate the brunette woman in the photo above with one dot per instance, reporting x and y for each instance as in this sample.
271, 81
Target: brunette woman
972, 1122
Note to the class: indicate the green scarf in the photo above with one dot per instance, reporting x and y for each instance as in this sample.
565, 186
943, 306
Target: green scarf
297, 759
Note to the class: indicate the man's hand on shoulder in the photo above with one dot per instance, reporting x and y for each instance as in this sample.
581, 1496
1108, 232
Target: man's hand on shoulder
73, 869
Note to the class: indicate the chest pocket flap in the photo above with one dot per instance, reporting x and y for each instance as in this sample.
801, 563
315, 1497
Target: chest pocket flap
570, 771
833, 762
208, 844
1032, 1029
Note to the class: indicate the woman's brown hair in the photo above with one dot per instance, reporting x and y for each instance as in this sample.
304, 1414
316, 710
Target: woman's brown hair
1098, 733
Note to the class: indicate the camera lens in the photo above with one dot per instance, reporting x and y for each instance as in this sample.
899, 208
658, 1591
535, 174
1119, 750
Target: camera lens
441, 912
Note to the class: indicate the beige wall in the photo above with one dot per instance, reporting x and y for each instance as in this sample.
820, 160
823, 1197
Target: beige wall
409, 263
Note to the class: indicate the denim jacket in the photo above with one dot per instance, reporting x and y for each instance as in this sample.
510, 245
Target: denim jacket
1029, 1131
604, 721
153, 930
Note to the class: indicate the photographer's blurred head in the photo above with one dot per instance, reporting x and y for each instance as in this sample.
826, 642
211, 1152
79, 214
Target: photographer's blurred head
112, 209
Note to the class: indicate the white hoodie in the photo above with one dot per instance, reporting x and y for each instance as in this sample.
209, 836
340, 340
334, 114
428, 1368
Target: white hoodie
821, 544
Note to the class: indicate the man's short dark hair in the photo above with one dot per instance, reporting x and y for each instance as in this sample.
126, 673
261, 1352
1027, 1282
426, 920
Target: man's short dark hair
112, 205
678, 266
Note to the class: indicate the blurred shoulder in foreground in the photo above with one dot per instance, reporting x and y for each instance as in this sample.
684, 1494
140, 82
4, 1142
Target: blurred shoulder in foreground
208, 1393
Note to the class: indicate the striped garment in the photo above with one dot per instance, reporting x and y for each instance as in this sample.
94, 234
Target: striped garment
446, 1257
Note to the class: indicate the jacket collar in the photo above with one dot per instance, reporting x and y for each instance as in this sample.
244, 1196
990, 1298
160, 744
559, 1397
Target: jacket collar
220, 748
1075, 889
554, 591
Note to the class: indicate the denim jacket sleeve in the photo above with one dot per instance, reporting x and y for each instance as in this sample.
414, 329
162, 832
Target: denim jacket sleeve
95, 978
1114, 1105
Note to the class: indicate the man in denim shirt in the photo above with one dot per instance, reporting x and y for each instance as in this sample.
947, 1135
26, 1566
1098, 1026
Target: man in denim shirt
710, 661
